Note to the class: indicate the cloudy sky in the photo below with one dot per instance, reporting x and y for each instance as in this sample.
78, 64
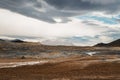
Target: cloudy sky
60, 22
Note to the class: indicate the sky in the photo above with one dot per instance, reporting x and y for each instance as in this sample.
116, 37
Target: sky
60, 22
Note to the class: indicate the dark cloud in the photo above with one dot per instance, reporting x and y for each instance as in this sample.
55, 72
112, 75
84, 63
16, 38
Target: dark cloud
37, 9
71, 4
47, 10
91, 23
28, 8
86, 5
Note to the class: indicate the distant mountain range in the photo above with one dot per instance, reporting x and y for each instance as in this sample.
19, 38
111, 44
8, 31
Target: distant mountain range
115, 43
2, 40
15, 41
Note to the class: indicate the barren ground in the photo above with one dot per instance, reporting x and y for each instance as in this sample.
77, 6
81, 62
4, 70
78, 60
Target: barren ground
69, 68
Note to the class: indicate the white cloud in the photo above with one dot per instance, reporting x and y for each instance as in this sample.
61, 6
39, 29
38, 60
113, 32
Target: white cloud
5, 37
15, 24
105, 39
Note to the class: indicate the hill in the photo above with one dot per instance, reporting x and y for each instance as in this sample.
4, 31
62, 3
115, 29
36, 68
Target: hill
17, 41
115, 43
2, 40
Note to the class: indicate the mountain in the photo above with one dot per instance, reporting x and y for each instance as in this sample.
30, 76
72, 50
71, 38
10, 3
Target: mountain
100, 45
2, 40
115, 43
17, 41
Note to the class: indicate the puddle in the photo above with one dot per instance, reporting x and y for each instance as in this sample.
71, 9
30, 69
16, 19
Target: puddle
91, 53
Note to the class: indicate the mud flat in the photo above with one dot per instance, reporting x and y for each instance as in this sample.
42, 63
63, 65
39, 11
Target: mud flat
70, 68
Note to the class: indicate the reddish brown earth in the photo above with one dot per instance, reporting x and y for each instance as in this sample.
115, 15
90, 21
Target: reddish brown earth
71, 68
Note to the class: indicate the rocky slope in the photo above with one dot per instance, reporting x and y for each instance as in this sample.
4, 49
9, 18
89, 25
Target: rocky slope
115, 43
